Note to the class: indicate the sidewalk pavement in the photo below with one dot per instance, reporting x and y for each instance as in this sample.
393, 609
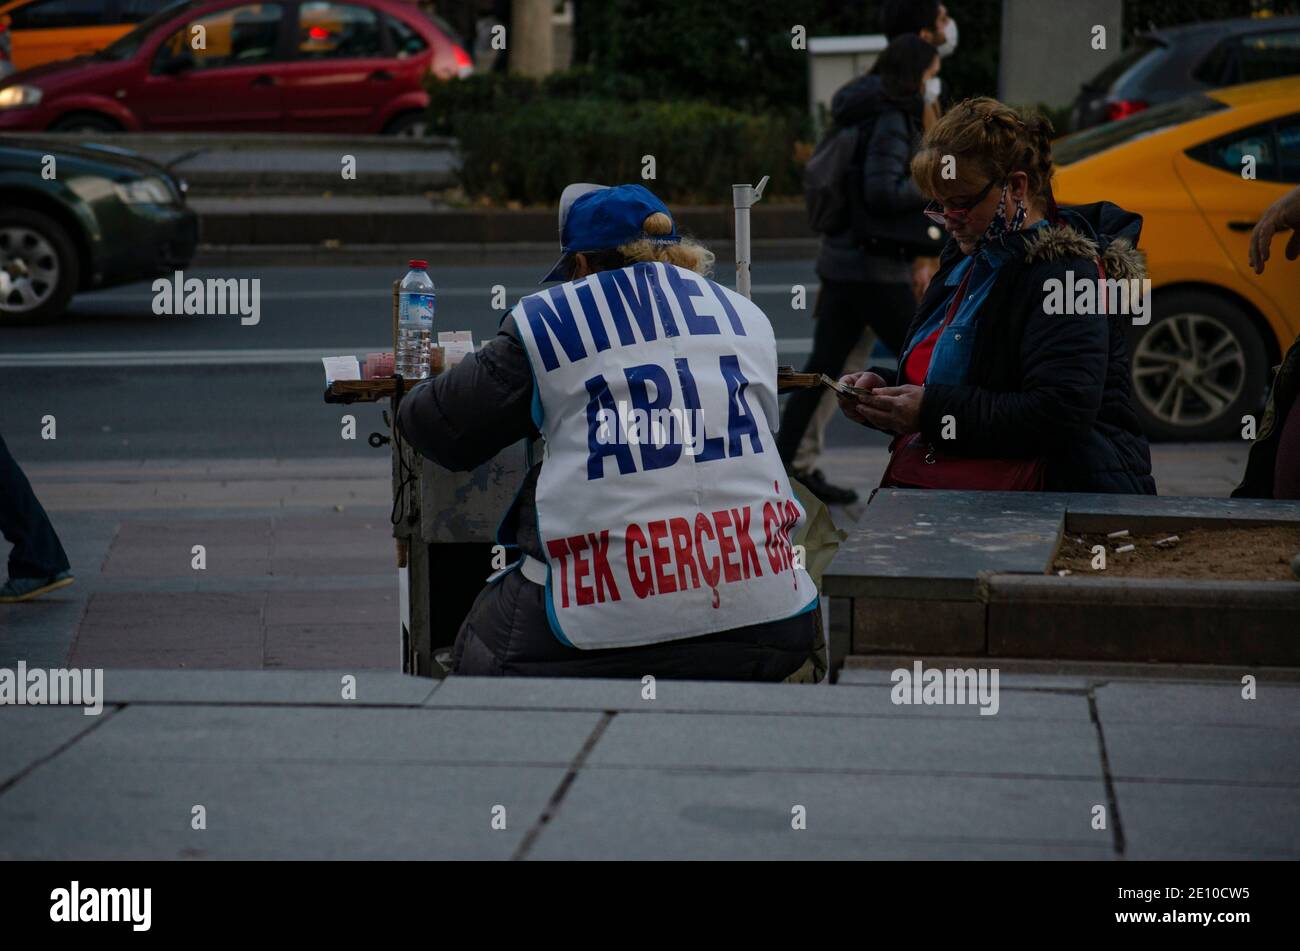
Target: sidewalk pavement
1070, 767
300, 575
300, 563
300, 567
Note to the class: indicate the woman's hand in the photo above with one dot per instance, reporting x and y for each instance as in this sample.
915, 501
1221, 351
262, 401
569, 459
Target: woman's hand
864, 381
895, 409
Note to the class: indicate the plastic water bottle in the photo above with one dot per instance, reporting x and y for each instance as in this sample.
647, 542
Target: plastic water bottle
415, 322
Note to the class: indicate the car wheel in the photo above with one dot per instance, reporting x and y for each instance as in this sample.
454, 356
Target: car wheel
85, 122
1197, 368
40, 265
412, 125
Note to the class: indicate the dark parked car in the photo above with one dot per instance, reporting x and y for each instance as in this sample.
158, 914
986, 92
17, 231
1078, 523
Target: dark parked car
81, 218
1167, 64
6, 54
226, 65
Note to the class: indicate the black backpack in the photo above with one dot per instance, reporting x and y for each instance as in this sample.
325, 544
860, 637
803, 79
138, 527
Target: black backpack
835, 201
828, 177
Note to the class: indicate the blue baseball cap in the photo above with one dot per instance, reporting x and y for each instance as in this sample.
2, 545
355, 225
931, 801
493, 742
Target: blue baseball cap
601, 217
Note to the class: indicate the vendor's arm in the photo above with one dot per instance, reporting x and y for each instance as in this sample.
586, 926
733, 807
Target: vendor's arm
465, 416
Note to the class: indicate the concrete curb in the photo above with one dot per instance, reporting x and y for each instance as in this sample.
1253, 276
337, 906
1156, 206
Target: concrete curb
467, 254
221, 226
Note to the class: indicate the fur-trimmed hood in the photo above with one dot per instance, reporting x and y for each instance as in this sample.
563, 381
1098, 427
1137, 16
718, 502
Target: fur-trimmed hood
1086, 231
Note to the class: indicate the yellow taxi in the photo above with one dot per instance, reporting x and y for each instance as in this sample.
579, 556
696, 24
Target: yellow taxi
45, 31
1200, 170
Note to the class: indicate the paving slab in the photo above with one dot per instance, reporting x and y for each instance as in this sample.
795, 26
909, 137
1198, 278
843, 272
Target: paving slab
81, 806
278, 734
859, 676
1203, 821
348, 646
1198, 751
166, 629
691, 814
726, 698
260, 687
360, 606
242, 656
1275, 704
29, 733
40, 632
930, 745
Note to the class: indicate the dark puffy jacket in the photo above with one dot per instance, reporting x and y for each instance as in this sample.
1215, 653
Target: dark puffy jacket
463, 418
886, 190
1052, 386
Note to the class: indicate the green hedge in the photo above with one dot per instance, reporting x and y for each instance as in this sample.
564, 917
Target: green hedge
530, 151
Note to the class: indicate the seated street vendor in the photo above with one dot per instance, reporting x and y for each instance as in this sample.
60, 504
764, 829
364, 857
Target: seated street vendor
654, 531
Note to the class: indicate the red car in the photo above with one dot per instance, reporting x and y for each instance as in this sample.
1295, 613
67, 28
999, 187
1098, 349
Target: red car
230, 65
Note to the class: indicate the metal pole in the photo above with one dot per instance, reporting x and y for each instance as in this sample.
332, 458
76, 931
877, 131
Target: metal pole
743, 198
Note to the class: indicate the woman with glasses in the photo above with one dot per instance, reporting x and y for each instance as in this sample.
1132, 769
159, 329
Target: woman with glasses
1006, 380
865, 280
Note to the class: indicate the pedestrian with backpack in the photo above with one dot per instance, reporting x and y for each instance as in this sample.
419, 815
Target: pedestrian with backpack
861, 197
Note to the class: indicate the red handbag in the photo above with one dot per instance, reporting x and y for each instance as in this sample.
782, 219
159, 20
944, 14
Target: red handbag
915, 465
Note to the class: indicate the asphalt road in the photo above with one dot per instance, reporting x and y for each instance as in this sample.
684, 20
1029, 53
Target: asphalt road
125, 384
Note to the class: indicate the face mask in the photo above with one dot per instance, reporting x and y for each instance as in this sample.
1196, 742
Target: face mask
933, 86
949, 38
999, 226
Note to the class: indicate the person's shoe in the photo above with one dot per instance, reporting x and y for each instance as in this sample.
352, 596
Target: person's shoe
816, 483
24, 589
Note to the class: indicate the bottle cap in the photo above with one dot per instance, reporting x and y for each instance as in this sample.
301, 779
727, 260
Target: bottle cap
416, 264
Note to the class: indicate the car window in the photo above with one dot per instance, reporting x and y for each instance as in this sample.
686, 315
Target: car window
52, 14
1274, 146
1288, 149
137, 11
236, 36
1251, 58
406, 42
1089, 142
338, 31
1126, 60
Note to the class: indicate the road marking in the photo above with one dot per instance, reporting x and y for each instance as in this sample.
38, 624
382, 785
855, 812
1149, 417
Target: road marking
163, 358
358, 293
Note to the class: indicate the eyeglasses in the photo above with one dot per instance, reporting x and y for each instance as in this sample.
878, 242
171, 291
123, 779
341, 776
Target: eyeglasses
935, 209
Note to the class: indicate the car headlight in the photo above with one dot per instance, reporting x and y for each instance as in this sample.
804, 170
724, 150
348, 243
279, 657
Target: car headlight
19, 97
145, 191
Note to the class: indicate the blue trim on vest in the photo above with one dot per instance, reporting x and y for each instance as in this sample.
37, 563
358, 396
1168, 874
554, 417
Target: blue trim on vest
810, 606
502, 572
551, 619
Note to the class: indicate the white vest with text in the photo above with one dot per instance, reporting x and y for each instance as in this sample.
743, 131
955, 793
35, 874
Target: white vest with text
662, 505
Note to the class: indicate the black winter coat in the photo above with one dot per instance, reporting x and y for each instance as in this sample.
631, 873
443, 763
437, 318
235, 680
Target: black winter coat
1044, 385
463, 418
885, 190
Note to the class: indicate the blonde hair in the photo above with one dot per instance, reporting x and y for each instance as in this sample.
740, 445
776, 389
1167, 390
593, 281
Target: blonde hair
989, 139
687, 252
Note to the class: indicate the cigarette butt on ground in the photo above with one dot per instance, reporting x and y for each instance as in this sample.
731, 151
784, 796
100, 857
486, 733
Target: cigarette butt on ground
1123, 548
1166, 542
1119, 534
1064, 571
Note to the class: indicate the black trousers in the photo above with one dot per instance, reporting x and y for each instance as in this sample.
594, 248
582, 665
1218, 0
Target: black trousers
506, 634
844, 308
37, 552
